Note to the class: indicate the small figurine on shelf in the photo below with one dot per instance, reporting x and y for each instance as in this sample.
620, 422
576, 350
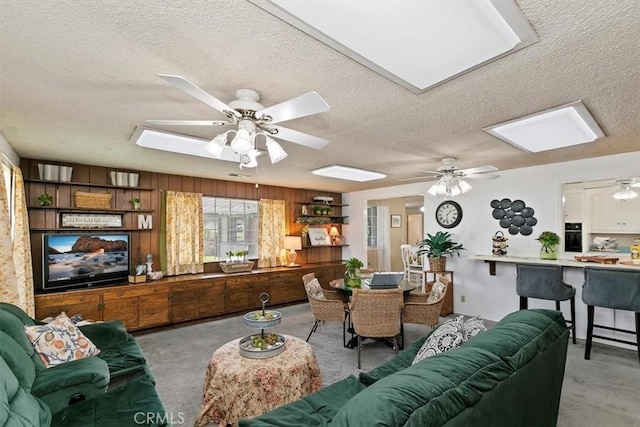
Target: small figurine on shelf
45, 199
304, 210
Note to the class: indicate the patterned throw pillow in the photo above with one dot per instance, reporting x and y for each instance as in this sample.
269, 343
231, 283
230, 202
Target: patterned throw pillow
437, 290
60, 341
447, 336
472, 327
314, 289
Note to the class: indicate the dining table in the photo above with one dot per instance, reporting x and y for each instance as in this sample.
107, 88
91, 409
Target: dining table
339, 285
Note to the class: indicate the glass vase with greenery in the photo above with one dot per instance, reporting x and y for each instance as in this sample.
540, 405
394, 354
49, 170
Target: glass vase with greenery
549, 242
352, 276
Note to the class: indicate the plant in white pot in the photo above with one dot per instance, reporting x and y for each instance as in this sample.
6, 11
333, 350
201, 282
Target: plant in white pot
549, 242
436, 247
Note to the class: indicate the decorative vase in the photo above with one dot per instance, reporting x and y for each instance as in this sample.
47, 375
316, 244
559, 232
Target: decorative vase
352, 278
549, 253
437, 264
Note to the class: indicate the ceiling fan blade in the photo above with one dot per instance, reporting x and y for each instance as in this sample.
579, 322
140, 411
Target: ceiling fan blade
416, 178
479, 169
299, 137
426, 171
302, 106
190, 122
480, 176
196, 92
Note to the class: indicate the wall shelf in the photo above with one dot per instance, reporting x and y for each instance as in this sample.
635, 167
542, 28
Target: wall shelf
89, 210
86, 184
62, 230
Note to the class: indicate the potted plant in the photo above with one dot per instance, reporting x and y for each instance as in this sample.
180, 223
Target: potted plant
436, 247
135, 203
45, 199
549, 242
352, 277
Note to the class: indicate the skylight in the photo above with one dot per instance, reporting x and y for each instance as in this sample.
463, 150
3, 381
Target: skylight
417, 44
559, 127
348, 173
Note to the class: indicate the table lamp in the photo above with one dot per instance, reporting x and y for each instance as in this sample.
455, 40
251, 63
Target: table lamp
293, 244
334, 233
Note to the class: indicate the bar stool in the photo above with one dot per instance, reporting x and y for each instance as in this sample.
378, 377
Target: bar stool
545, 282
611, 288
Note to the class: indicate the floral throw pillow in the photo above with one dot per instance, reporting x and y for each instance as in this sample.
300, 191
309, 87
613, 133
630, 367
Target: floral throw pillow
314, 289
60, 341
447, 336
472, 327
437, 290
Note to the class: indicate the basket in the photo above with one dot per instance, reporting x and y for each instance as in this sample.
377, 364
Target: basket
92, 200
236, 267
437, 264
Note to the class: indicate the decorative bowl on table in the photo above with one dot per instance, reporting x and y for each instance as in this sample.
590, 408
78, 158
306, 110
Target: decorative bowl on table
261, 346
262, 319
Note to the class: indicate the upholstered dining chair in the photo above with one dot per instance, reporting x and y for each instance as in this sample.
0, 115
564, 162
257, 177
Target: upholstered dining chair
413, 269
543, 281
376, 314
611, 288
324, 309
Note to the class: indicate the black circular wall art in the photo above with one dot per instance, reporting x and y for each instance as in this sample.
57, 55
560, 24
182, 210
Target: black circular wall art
515, 216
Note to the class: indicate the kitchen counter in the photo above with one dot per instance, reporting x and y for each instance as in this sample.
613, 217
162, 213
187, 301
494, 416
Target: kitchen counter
565, 262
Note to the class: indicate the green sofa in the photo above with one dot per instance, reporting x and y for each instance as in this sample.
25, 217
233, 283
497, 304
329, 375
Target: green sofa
510, 375
105, 390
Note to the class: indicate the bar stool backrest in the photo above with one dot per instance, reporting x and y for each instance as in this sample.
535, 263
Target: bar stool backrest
542, 282
612, 288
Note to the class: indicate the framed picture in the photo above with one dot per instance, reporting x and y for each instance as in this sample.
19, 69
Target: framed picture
319, 237
90, 220
396, 221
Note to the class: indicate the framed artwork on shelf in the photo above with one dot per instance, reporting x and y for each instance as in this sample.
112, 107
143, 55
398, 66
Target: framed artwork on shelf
90, 220
396, 221
319, 237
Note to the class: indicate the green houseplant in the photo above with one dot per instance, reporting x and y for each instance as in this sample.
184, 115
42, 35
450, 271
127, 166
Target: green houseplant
135, 203
436, 247
549, 242
45, 199
352, 277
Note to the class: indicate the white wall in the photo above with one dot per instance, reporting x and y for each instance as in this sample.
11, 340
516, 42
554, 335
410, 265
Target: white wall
493, 297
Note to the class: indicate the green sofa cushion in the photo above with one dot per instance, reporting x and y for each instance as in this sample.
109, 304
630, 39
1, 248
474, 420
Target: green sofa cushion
317, 409
19, 313
17, 406
132, 404
403, 360
124, 358
13, 326
106, 335
19, 361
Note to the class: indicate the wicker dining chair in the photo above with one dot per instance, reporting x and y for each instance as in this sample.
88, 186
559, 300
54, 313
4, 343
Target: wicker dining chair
323, 308
376, 314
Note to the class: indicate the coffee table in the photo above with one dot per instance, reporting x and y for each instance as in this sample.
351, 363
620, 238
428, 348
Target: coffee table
238, 387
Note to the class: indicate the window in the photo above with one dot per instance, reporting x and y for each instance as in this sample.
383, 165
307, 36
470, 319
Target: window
230, 225
372, 226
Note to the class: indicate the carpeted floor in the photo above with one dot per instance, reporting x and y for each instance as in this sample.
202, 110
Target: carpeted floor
602, 391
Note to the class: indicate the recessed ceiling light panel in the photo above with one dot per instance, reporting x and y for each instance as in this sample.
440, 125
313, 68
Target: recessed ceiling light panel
559, 127
417, 44
348, 173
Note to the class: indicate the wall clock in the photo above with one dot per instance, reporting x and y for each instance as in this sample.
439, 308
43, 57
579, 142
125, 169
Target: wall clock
448, 214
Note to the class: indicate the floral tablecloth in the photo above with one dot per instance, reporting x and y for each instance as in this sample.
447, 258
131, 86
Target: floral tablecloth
238, 387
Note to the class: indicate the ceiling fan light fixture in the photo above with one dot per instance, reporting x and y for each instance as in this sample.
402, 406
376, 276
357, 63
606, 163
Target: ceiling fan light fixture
464, 186
449, 186
625, 194
276, 152
242, 143
217, 144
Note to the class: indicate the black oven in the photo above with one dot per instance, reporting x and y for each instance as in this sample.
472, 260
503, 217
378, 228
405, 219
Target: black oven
573, 237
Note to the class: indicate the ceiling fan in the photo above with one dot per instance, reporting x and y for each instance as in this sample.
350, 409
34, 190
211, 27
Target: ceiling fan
450, 181
623, 187
251, 120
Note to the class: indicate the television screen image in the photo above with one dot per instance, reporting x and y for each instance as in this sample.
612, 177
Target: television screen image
84, 258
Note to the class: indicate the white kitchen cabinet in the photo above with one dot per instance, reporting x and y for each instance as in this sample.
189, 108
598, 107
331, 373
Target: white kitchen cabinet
573, 206
609, 215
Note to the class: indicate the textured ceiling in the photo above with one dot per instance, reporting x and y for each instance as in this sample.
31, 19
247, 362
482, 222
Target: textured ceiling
76, 78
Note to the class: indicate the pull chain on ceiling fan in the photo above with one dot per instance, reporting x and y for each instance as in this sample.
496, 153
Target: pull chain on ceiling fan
252, 120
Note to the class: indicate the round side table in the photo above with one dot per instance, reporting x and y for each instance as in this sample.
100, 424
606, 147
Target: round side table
238, 387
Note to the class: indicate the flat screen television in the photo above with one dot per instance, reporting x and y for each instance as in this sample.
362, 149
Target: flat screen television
84, 259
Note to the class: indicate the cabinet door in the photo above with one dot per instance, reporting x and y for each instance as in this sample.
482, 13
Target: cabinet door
279, 289
185, 298
212, 298
86, 304
153, 309
122, 308
605, 212
237, 295
573, 206
631, 215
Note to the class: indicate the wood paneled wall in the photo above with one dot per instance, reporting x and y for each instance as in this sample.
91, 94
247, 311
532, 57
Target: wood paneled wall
147, 241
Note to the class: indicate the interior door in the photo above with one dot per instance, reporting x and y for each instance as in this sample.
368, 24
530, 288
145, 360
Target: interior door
414, 228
